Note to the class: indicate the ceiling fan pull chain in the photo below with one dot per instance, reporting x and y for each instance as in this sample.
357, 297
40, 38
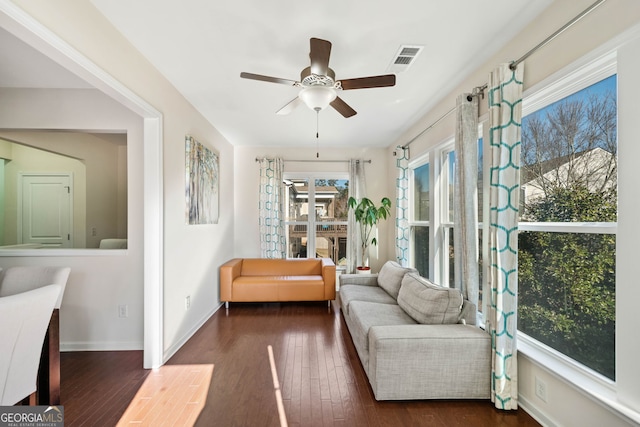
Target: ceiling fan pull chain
317, 133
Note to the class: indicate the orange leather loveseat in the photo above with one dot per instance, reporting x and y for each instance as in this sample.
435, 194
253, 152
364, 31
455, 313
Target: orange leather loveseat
273, 280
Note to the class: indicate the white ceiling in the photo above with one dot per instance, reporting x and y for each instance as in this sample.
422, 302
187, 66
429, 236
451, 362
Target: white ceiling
201, 46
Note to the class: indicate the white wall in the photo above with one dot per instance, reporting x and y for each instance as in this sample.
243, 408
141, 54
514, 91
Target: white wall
97, 284
191, 254
247, 178
566, 405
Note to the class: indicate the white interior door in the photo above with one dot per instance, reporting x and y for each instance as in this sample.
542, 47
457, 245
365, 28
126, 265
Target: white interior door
46, 206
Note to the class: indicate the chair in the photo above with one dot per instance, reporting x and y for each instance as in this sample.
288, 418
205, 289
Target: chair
25, 278
113, 244
24, 319
21, 279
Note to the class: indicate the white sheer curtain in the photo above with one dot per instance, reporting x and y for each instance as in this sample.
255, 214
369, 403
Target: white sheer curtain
273, 242
465, 230
357, 190
402, 207
505, 117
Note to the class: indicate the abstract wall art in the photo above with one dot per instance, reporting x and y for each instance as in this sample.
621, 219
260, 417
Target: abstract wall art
202, 183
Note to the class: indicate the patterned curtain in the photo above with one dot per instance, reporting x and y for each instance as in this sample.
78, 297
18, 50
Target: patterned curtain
273, 242
402, 207
465, 211
357, 190
505, 116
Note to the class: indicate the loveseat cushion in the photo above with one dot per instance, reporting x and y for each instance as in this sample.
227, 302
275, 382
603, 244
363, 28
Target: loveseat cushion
428, 303
390, 277
280, 267
349, 293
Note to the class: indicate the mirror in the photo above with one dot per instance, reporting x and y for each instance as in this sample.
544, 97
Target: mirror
63, 189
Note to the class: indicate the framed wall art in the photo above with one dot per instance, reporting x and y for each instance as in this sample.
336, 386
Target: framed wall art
202, 183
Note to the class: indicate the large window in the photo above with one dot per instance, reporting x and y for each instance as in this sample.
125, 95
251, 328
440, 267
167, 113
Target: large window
317, 217
567, 242
567, 239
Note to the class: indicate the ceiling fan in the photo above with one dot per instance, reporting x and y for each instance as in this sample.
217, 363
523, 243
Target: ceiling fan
319, 84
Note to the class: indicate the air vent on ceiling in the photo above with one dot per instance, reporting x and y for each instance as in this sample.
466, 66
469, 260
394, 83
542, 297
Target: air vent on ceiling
404, 58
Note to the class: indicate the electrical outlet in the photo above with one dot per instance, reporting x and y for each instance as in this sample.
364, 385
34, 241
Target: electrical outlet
541, 389
123, 310
187, 302
94, 231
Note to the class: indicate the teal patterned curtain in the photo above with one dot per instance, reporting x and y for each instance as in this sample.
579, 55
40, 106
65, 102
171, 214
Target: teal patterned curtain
505, 117
402, 207
273, 243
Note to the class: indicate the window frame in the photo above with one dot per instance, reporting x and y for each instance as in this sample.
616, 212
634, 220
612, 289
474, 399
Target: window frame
311, 222
438, 224
555, 88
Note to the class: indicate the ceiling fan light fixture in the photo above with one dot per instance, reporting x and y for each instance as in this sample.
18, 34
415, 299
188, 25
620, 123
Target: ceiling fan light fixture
317, 97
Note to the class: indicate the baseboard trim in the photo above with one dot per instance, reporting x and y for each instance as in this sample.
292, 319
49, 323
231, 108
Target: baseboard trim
535, 412
100, 346
179, 343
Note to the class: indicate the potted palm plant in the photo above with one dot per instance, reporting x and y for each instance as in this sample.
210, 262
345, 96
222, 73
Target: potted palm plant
367, 215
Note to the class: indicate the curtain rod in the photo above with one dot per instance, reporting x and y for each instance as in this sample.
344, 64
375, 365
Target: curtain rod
316, 161
514, 64
561, 30
479, 90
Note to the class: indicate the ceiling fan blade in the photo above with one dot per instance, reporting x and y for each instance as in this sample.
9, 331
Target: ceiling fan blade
291, 105
342, 107
369, 82
319, 55
267, 79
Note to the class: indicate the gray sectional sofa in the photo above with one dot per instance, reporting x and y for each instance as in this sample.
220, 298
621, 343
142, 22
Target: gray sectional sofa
416, 340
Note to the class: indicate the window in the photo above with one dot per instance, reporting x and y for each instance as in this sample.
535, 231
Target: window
316, 217
567, 239
420, 201
431, 214
449, 165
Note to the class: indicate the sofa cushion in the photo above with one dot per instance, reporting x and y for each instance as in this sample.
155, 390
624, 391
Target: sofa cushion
364, 315
349, 293
428, 303
279, 267
390, 277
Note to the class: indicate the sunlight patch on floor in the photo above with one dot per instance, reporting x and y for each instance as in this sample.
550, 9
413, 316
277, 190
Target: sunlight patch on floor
276, 387
171, 395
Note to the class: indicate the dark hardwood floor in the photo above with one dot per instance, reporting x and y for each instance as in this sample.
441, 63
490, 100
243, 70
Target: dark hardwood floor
321, 379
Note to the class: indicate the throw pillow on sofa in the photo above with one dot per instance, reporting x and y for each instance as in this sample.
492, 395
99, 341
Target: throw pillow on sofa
428, 303
390, 277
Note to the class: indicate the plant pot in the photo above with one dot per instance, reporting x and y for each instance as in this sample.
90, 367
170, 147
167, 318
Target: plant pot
363, 270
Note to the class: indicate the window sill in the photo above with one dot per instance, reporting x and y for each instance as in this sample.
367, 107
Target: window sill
61, 252
598, 388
